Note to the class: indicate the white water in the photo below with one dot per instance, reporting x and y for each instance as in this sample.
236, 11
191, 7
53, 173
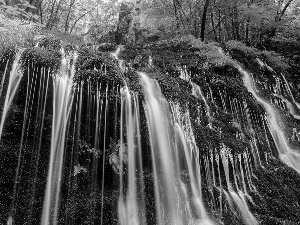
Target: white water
3, 77
197, 92
117, 52
237, 196
155, 108
174, 204
289, 156
191, 152
294, 107
62, 102
291, 94
14, 80
131, 210
116, 56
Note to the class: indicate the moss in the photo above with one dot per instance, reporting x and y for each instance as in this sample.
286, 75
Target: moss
97, 66
239, 46
206, 144
275, 60
16, 33
42, 57
282, 182
50, 43
277, 201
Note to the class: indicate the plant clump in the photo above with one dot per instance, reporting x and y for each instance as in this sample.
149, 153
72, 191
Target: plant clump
16, 32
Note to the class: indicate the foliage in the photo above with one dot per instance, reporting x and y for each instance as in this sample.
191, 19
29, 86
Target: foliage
42, 57
18, 10
16, 32
97, 66
286, 204
276, 60
248, 51
91, 19
78, 169
98, 21
209, 67
155, 18
213, 55
116, 149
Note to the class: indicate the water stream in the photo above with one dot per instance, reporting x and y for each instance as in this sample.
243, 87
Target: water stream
289, 156
177, 164
15, 77
62, 102
167, 161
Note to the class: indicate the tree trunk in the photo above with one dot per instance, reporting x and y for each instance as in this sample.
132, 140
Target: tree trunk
49, 23
124, 22
79, 18
247, 32
213, 26
278, 18
236, 22
203, 20
41, 11
220, 24
55, 16
233, 28
247, 38
227, 31
176, 13
68, 15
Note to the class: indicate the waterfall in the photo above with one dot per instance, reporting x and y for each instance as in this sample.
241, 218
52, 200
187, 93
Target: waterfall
3, 78
116, 56
62, 102
131, 210
289, 156
90, 150
293, 106
173, 203
197, 92
238, 195
15, 77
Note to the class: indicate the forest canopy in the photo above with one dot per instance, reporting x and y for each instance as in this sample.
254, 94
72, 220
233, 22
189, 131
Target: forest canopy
254, 22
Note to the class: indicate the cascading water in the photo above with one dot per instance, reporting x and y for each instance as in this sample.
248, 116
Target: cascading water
14, 80
239, 196
235, 192
131, 210
62, 102
3, 77
167, 163
291, 103
98, 123
162, 156
196, 91
289, 156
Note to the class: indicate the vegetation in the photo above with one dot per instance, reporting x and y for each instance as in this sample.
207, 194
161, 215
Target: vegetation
95, 21
175, 42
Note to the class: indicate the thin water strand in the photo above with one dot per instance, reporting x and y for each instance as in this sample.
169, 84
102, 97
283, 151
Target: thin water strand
15, 77
62, 102
289, 156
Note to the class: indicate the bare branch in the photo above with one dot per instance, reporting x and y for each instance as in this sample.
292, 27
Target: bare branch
79, 18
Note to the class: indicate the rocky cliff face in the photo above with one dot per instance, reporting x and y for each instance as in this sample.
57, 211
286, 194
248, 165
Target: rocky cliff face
247, 176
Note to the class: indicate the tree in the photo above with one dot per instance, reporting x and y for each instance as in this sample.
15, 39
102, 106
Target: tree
125, 19
18, 8
203, 20
283, 6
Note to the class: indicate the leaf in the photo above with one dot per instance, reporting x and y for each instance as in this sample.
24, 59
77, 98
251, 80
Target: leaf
78, 169
27, 5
